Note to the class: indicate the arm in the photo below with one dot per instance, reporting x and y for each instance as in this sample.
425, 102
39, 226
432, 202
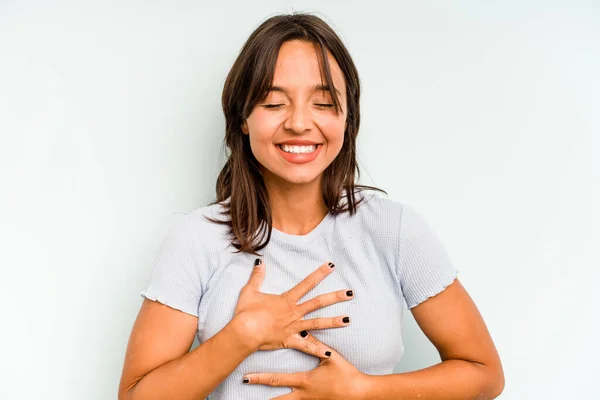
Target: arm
157, 362
470, 367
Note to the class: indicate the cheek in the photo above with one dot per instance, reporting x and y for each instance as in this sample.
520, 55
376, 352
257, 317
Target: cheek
333, 130
263, 129
264, 123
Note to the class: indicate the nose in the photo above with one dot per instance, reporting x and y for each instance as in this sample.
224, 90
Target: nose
299, 119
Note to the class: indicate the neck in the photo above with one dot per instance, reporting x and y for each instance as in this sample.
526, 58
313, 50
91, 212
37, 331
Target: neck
296, 209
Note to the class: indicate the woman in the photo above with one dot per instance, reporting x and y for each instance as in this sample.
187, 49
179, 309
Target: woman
318, 314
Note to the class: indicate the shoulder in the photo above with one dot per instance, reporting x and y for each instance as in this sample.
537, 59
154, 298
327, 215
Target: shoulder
376, 222
204, 233
390, 219
379, 212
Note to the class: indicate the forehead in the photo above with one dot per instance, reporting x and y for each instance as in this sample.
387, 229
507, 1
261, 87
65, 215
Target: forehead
298, 67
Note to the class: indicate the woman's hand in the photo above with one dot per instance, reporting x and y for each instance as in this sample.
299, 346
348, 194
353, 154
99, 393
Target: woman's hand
334, 378
272, 322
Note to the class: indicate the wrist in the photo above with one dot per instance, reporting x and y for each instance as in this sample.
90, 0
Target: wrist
239, 329
360, 387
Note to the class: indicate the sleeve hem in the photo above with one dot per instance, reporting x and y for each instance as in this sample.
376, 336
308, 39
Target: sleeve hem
438, 290
162, 300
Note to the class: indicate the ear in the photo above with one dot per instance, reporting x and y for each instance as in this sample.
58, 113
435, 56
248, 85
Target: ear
244, 127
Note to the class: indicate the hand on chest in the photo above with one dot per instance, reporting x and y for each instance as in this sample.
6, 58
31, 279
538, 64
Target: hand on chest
372, 341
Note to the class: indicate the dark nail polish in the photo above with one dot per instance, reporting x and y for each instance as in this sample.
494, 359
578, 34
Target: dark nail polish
304, 334
246, 380
331, 265
349, 293
257, 262
328, 353
346, 319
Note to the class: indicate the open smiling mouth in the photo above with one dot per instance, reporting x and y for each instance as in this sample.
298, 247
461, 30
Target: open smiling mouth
299, 154
298, 149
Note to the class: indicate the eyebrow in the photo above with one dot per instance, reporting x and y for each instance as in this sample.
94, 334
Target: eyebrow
316, 88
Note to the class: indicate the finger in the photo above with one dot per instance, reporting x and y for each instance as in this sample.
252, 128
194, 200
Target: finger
321, 323
325, 300
314, 348
296, 379
308, 283
257, 276
333, 355
311, 339
290, 396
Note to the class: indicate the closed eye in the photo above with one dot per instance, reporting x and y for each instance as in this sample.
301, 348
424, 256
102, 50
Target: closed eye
271, 106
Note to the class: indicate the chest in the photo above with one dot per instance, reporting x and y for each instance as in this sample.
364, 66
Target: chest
372, 342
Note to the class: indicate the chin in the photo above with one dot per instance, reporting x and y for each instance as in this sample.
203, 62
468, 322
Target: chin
300, 179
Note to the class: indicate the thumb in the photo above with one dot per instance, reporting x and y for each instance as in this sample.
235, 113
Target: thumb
257, 276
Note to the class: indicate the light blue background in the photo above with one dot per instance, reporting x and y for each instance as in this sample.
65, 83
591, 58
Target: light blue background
482, 115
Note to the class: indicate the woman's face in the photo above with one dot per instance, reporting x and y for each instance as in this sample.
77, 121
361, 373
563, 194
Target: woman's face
297, 110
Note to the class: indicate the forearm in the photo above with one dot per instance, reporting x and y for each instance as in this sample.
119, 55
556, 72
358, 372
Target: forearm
196, 374
448, 380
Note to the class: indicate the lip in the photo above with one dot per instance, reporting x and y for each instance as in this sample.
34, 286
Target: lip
300, 158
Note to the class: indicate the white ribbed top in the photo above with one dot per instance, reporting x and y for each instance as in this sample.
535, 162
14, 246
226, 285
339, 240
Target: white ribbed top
386, 253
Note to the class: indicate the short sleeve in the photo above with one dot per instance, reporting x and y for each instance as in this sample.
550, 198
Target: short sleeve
424, 267
175, 277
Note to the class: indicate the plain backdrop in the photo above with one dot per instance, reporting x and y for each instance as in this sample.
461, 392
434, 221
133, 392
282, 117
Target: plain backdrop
484, 116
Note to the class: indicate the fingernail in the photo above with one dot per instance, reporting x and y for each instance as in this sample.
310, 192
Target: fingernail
346, 319
257, 262
331, 265
246, 380
304, 334
328, 353
349, 293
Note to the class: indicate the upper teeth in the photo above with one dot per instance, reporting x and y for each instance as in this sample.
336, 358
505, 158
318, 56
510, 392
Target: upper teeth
298, 149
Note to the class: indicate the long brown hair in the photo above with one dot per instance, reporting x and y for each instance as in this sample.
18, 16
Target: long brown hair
248, 82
